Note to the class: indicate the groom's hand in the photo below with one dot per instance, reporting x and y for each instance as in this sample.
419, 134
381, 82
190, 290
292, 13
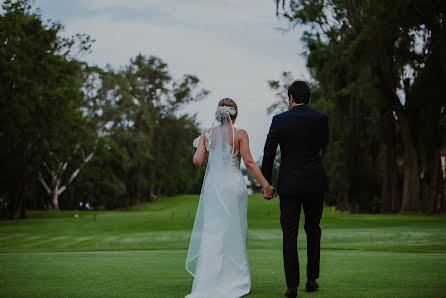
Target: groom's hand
268, 192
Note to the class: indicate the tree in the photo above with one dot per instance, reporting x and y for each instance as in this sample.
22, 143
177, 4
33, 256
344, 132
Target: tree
137, 107
56, 170
85, 135
373, 60
38, 98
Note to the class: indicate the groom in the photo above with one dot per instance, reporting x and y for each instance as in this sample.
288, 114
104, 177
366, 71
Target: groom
302, 134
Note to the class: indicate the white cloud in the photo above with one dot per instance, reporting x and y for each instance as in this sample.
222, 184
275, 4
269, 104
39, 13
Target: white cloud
101, 4
230, 45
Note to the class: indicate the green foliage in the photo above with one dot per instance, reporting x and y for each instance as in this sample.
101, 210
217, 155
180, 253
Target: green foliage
138, 107
378, 75
38, 99
102, 183
56, 111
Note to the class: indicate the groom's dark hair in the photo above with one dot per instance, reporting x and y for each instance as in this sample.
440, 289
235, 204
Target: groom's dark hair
300, 92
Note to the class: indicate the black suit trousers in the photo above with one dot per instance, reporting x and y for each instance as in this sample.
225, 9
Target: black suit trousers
290, 206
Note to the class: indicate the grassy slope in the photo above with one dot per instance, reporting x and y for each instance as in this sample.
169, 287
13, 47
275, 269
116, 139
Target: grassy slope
141, 253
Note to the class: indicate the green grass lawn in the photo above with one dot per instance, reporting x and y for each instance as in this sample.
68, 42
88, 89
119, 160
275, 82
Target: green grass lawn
141, 253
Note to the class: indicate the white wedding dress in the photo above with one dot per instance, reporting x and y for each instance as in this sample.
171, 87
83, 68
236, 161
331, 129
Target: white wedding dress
217, 255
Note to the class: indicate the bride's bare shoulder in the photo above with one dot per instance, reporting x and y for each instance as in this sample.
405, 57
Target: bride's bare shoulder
241, 133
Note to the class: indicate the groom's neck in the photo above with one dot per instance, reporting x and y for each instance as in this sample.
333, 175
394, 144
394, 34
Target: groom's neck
295, 104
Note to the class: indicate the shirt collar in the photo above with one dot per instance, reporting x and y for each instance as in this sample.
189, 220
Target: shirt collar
300, 106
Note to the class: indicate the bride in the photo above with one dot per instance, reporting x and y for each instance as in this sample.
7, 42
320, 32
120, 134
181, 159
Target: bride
217, 256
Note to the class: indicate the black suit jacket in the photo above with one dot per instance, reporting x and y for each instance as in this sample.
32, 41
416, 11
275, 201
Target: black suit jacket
302, 134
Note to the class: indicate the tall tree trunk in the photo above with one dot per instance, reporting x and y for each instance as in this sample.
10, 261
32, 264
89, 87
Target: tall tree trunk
412, 184
391, 196
436, 185
16, 197
410, 200
435, 198
55, 196
18, 205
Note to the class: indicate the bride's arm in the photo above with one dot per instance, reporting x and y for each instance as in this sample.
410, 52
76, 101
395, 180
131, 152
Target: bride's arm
201, 153
250, 164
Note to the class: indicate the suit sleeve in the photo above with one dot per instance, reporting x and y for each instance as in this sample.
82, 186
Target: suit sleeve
325, 134
269, 151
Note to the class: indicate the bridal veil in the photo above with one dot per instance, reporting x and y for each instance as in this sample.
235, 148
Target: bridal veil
217, 256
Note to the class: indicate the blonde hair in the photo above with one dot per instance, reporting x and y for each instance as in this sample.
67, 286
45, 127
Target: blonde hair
229, 103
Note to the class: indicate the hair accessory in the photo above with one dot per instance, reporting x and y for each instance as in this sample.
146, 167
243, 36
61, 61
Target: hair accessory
225, 109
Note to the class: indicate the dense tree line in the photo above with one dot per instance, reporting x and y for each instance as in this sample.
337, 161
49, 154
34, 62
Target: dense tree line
74, 135
379, 69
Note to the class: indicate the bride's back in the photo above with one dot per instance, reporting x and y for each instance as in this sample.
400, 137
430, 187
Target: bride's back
225, 141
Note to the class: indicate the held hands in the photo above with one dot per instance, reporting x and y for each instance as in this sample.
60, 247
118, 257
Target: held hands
268, 192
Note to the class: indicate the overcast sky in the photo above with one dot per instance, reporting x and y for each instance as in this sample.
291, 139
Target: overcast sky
232, 46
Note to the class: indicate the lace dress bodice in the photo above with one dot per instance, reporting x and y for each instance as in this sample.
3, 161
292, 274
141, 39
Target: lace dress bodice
233, 159
236, 158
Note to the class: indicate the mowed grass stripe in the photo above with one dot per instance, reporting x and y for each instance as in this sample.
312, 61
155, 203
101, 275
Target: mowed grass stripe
160, 273
166, 223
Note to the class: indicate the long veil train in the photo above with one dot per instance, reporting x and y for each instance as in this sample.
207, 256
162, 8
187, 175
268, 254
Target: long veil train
217, 256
